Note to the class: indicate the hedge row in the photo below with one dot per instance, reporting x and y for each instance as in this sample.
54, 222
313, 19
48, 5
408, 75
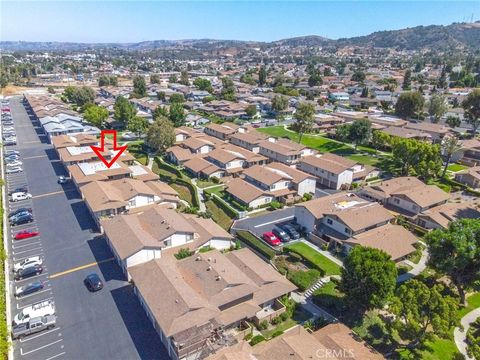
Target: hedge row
4, 343
193, 190
168, 167
256, 244
231, 212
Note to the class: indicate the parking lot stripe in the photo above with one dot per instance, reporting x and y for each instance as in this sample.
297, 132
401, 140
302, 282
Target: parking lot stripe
22, 246
275, 221
31, 142
29, 296
52, 193
40, 348
24, 251
26, 257
44, 273
24, 306
37, 336
55, 356
80, 268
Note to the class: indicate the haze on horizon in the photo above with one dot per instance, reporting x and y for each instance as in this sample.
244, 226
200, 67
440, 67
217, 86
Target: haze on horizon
129, 21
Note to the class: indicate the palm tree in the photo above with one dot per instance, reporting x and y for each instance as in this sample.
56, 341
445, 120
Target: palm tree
450, 145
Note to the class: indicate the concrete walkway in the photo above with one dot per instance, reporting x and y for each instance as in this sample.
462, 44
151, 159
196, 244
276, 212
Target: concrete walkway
460, 335
416, 268
201, 197
308, 305
150, 162
323, 252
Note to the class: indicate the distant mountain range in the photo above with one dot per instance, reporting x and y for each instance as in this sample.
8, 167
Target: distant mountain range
438, 37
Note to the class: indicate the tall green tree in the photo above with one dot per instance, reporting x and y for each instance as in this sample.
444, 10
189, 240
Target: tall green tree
421, 311
369, 277
455, 252
360, 132
161, 96
251, 110
160, 135
228, 89
96, 115
154, 79
139, 87
442, 80
203, 84
358, 76
437, 107
304, 117
420, 156
160, 111
380, 140
172, 79
407, 80
177, 98
450, 146
315, 79
184, 78
123, 110
453, 121
262, 76
471, 105
137, 125
177, 114
409, 104
279, 103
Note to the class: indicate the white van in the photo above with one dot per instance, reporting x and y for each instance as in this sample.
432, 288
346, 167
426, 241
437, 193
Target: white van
43, 308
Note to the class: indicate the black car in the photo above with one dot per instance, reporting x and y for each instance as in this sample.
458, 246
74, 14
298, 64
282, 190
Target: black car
290, 230
22, 219
281, 234
19, 211
93, 282
28, 272
29, 288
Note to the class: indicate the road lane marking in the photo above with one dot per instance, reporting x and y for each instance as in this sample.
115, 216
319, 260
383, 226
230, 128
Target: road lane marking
34, 157
37, 336
31, 142
40, 348
275, 221
78, 268
55, 356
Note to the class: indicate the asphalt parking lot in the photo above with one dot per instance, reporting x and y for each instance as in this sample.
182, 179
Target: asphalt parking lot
109, 324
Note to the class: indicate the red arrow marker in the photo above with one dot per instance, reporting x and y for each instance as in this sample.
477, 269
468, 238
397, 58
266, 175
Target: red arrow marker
99, 149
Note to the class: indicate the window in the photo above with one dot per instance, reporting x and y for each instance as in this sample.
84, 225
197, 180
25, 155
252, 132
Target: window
329, 221
347, 230
396, 201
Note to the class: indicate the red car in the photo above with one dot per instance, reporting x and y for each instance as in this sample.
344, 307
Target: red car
270, 238
25, 234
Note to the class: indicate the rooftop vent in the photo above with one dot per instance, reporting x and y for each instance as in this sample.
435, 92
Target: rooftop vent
218, 278
198, 258
209, 268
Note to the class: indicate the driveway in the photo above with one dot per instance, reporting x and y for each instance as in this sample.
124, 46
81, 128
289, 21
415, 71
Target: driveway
266, 222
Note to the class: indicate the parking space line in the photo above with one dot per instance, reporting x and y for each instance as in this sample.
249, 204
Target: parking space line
55, 356
34, 157
36, 302
40, 348
29, 296
31, 142
52, 193
78, 268
24, 251
274, 221
37, 336
26, 257
22, 246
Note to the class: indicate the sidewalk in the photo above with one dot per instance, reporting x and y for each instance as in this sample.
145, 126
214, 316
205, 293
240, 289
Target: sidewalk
312, 308
416, 268
201, 197
460, 335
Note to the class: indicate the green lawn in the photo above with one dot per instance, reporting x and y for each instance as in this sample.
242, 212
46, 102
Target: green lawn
364, 159
473, 302
205, 183
183, 192
218, 215
456, 167
299, 317
313, 256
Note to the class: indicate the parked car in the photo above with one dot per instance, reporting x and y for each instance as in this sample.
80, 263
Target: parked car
30, 261
271, 239
26, 234
24, 219
28, 289
43, 308
28, 272
16, 218
14, 163
33, 326
12, 152
7, 142
290, 230
10, 158
93, 282
62, 179
13, 170
22, 189
281, 234
19, 196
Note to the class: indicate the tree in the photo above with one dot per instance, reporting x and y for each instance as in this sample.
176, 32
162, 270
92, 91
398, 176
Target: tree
455, 252
161, 95
177, 114
228, 89
358, 76
95, 115
437, 107
423, 157
471, 105
304, 117
360, 132
79, 95
184, 78
421, 311
407, 80
453, 121
203, 84
137, 125
442, 80
160, 111
172, 79
160, 135
123, 110
139, 87
379, 140
315, 79
51, 90
450, 146
369, 277
279, 103
154, 79
409, 104
105, 80
262, 76
364, 92
251, 110
342, 132
177, 98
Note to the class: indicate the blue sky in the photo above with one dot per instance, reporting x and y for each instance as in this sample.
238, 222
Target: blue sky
132, 21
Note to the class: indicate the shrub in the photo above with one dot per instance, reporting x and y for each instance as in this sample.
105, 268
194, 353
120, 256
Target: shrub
284, 316
307, 196
214, 179
248, 336
231, 212
276, 320
304, 279
205, 249
263, 325
256, 244
257, 339
275, 205
183, 253
277, 333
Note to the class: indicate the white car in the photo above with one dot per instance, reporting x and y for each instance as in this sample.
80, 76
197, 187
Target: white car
8, 128
14, 163
31, 261
13, 170
12, 152
43, 308
19, 196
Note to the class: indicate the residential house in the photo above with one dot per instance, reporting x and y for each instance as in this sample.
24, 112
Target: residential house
469, 177
250, 140
405, 133
441, 216
284, 151
469, 154
436, 131
221, 131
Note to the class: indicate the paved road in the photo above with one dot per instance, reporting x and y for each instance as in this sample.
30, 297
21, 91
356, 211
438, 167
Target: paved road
109, 324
